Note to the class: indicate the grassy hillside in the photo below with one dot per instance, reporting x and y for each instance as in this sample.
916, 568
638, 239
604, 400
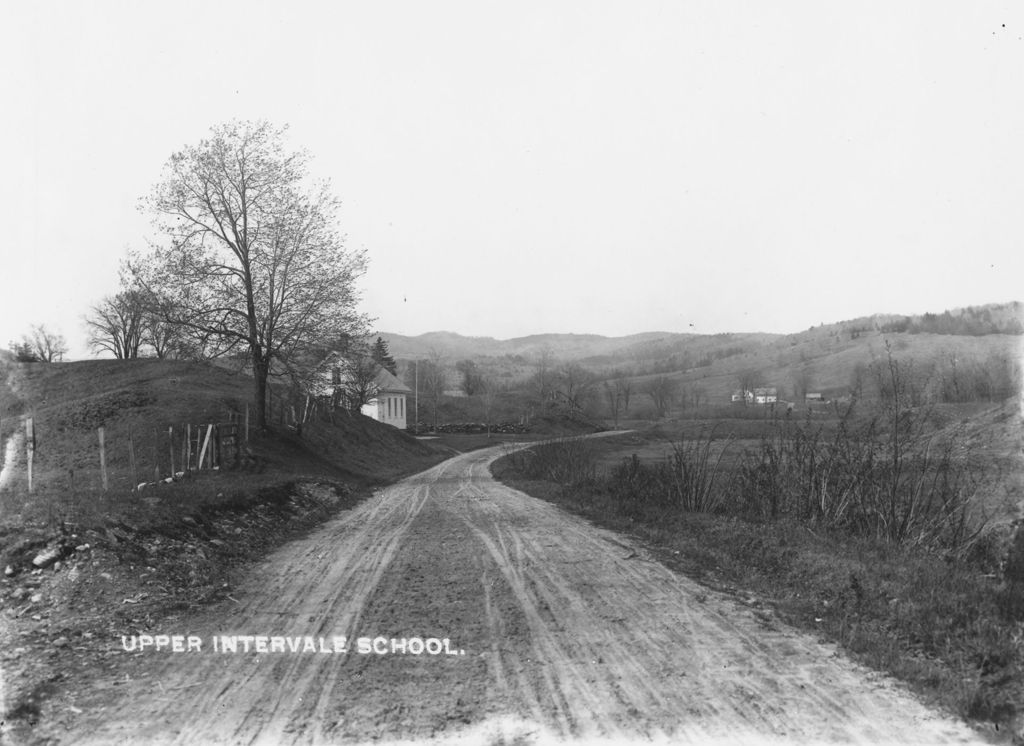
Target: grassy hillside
832, 359
827, 362
976, 331
136, 402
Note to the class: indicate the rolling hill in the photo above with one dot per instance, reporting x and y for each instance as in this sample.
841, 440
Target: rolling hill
138, 401
822, 359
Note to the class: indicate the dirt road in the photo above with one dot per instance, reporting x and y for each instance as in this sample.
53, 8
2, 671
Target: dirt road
530, 626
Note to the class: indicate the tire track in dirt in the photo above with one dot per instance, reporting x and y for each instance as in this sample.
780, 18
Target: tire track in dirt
315, 586
628, 650
569, 632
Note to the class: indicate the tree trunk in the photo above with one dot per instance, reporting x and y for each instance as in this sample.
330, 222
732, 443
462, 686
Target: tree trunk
260, 370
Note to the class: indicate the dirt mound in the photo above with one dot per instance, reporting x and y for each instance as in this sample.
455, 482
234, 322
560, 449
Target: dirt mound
145, 406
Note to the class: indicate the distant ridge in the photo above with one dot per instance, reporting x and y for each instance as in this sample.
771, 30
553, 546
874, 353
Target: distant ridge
991, 318
567, 345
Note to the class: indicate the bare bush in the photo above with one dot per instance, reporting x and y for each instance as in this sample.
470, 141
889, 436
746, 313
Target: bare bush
569, 462
878, 478
693, 472
686, 480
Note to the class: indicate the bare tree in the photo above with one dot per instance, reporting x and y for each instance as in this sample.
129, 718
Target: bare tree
574, 387
488, 395
47, 346
625, 388
613, 396
543, 381
900, 383
858, 378
251, 255
748, 379
432, 382
116, 325
168, 340
358, 380
803, 380
662, 391
472, 380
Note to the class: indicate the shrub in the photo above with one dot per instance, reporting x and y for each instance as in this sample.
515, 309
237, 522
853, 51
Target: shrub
569, 462
686, 480
892, 483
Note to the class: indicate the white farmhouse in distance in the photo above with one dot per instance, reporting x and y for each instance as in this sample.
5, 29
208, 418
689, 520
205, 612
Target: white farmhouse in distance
765, 395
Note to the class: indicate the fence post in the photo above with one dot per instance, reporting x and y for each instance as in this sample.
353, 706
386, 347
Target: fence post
206, 443
156, 455
103, 460
30, 447
188, 447
170, 446
131, 460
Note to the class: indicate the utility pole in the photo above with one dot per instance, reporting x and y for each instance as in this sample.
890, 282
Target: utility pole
417, 385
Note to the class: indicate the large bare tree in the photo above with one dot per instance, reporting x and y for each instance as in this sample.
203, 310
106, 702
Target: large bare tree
250, 259
117, 325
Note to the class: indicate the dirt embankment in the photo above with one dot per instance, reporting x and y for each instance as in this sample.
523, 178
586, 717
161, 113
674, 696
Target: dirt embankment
64, 594
531, 625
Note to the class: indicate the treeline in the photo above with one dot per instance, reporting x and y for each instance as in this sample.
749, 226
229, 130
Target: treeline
678, 361
949, 379
971, 322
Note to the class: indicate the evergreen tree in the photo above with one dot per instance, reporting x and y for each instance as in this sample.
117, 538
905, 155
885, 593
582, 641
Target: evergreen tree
382, 356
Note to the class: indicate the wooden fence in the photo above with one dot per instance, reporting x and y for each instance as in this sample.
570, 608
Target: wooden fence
144, 456
172, 453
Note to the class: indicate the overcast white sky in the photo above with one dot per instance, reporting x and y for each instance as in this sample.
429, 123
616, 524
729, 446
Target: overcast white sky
525, 167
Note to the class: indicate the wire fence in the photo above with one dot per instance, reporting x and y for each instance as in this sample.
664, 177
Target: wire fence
141, 457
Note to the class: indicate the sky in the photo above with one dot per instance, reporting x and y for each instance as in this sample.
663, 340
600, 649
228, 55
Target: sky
527, 167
